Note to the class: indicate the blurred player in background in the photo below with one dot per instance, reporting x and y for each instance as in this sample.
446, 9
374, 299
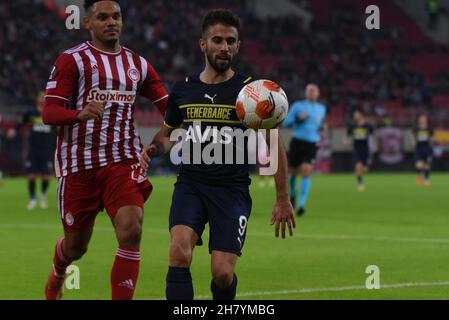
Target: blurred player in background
90, 95
217, 194
41, 148
360, 132
306, 118
2, 137
423, 136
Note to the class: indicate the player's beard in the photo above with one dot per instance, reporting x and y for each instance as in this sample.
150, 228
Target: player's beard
110, 42
218, 67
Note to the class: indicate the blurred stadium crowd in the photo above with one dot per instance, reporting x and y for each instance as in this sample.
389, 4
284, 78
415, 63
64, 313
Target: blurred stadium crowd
397, 71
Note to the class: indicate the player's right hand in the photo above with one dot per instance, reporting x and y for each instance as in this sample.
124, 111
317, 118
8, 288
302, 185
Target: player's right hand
282, 216
94, 110
145, 156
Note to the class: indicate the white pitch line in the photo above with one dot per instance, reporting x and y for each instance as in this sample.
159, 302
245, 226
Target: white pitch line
374, 238
337, 289
254, 234
347, 288
308, 236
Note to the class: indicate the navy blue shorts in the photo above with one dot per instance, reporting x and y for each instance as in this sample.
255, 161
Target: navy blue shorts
424, 155
361, 155
225, 208
39, 163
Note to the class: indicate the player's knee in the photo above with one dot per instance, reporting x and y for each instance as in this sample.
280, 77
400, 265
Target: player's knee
223, 275
73, 252
180, 255
130, 235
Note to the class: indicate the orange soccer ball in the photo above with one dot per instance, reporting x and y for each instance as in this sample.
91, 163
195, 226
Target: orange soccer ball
262, 104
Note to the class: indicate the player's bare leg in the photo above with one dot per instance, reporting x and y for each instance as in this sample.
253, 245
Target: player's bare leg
43, 203
224, 280
427, 175
68, 249
266, 180
32, 192
420, 169
125, 271
359, 172
179, 280
262, 182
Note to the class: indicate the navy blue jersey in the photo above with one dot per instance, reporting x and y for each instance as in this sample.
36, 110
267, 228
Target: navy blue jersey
423, 137
42, 138
360, 134
212, 106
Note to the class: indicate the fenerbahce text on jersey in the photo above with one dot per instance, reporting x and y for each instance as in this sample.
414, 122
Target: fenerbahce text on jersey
84, 74
214, 144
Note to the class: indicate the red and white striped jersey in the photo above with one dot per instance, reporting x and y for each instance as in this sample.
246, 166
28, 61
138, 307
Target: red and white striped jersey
85, 73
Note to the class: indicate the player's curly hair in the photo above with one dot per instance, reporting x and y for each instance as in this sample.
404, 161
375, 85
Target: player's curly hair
90, 3
224, 16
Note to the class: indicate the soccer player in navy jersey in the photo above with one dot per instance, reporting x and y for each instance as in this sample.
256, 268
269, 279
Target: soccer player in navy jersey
215, 193
360, 132
41, 148
423, 135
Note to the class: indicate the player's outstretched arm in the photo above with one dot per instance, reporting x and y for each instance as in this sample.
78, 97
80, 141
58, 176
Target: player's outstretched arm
55, 113
282, 215
160, 145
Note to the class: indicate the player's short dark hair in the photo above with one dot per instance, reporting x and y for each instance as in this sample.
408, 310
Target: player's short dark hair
90, 3
223, 16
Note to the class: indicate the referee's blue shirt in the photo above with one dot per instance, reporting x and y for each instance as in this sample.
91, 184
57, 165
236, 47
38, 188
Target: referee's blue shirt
309, 129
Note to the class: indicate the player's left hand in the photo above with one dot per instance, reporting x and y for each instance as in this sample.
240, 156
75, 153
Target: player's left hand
145, 156
282, 216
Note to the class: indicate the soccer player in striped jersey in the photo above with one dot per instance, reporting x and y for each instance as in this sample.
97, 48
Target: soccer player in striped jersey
90, 95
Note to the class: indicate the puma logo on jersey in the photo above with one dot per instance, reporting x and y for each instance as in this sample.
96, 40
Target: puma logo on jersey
210, 98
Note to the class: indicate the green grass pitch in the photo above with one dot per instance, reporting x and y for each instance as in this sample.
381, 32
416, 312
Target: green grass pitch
396, 225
